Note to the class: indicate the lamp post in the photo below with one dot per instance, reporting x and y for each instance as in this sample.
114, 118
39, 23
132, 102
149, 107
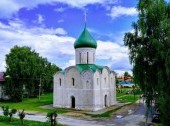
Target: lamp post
40, 85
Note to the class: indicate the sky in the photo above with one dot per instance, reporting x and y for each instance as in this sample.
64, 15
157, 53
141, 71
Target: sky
50, 27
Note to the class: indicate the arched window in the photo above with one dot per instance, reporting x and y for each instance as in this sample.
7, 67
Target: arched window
105, 101
60, 81
105, 80
73, 102
97, 81
73, 81
80, 57
93, 58
87, 57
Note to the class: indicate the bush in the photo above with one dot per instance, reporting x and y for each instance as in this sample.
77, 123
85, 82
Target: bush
52, 118
8, 112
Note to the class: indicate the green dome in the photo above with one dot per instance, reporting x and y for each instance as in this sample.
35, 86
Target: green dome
85, 40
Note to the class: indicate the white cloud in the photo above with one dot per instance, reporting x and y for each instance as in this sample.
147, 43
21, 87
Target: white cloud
40, 18
61, 9
58, 49
116, 55
60, 21
118, 11
10, 7
71, 62
2, 66
110, 50
42, 40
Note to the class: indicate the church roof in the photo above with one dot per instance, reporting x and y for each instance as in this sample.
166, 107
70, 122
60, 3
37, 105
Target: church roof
82, 67
85, 40
93, 67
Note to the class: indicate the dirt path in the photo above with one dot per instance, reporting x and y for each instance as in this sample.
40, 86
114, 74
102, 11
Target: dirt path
132, 119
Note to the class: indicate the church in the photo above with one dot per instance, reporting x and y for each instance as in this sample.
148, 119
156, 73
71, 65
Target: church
85, 86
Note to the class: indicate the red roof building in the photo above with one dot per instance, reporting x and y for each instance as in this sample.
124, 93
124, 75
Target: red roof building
123, 78
2, 77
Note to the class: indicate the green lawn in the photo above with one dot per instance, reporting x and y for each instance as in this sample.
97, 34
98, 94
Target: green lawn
16, 122
126, 96
33, 104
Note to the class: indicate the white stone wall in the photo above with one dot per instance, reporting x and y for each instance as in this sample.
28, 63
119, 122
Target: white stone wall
89, 89
112, 88
83, 53
70, 88
97, 91
58, 90
105, 88
82, 89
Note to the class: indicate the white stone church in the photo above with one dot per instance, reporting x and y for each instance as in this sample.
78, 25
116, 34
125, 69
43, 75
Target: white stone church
85, 86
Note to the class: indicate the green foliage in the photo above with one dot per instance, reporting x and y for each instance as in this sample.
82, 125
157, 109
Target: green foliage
16, 122
149, 48
22, 116
34, 104
52, 117
127, 95
8, 112
26, 70
126, 75
5, 110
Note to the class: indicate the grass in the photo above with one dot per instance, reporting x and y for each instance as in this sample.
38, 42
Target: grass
33, 104
128, 98
124, 97
16, 122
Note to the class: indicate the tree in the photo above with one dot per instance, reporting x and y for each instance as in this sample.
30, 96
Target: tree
126, 75
52, 117
8, 112
26, 69
22, 116
149, 48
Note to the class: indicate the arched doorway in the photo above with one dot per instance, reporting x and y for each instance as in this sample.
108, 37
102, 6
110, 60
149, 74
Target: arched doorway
72, 102
105, 100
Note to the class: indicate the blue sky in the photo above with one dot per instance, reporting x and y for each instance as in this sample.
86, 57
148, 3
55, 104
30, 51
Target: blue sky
51, 27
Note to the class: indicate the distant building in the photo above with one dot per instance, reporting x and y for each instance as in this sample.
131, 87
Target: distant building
2, 80
123, 78
85, 86
126, 84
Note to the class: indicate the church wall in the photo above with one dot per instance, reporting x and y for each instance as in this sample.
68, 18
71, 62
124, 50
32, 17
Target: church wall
89, 90
112, 89
72, 82
97, 91
82, 89
87, 96
72, 78
58, 89
105, 87
87, 79
83, 53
